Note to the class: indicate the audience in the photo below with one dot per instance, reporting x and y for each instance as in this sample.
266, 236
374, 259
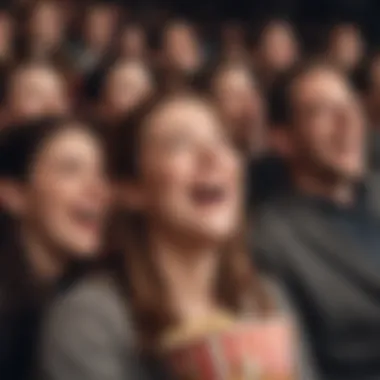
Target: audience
99, 31
181, 271
345, 47
133, 43
275, 50
180, 48
240, 102
35, 90
109, 283
45, 33
127, 84
179, 57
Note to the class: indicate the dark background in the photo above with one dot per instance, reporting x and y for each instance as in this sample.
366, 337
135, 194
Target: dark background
309, 16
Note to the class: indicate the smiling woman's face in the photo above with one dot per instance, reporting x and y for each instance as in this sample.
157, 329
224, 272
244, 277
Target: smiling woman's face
65, 198
190, 176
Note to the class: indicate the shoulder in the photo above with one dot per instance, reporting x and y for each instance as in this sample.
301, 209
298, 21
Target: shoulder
275, 211
87, 335
90, 290
92, 306
271, 221
271, 232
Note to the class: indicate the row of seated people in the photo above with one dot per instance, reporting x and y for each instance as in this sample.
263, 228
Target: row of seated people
126, 257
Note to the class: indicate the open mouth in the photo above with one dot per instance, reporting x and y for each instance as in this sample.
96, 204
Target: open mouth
208, 195
88, 217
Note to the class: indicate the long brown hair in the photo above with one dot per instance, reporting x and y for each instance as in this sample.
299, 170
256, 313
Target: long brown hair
140, 280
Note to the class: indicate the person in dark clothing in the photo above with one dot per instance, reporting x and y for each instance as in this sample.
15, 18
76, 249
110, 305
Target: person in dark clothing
267, 177
367, 81
53, 190
321, 239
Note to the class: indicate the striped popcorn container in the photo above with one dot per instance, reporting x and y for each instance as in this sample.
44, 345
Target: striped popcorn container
254, 350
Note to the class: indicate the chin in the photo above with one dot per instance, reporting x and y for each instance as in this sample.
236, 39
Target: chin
85, 251
219, 233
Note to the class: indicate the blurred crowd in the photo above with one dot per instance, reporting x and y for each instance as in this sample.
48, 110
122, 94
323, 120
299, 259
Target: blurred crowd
132, 146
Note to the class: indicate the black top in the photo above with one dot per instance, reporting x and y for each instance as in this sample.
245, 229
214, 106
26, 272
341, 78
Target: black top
328, 258
267, 178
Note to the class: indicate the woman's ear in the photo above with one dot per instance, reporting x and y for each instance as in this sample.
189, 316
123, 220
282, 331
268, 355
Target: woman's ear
12, 197
130, 195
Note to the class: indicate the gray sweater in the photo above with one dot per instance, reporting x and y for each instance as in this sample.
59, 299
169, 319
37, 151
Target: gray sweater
88, 336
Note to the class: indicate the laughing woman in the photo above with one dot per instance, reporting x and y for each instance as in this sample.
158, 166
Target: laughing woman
53, 191
182, 296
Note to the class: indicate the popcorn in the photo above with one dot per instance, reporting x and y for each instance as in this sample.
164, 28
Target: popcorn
227, 349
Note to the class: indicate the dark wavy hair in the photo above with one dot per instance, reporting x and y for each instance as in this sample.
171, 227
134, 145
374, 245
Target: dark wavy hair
140, 281
19, 146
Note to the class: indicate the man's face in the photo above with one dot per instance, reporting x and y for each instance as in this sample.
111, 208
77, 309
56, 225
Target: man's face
328, 126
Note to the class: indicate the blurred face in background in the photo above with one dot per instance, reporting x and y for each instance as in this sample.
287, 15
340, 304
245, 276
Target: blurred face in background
63, 202
241, 105
278, 48
127, 85
181, 48
328, 131
47, 25
36, 91
373, 94
6, 35
190, 175
233, 43
133, 43
100, 26
346, 46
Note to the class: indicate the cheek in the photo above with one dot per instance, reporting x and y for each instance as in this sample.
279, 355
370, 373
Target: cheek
46, 214
29, 104
57, 191
233, 105
231, 108
56, 96
317, 130
52, 215
166, 179
120, 98
49, 202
